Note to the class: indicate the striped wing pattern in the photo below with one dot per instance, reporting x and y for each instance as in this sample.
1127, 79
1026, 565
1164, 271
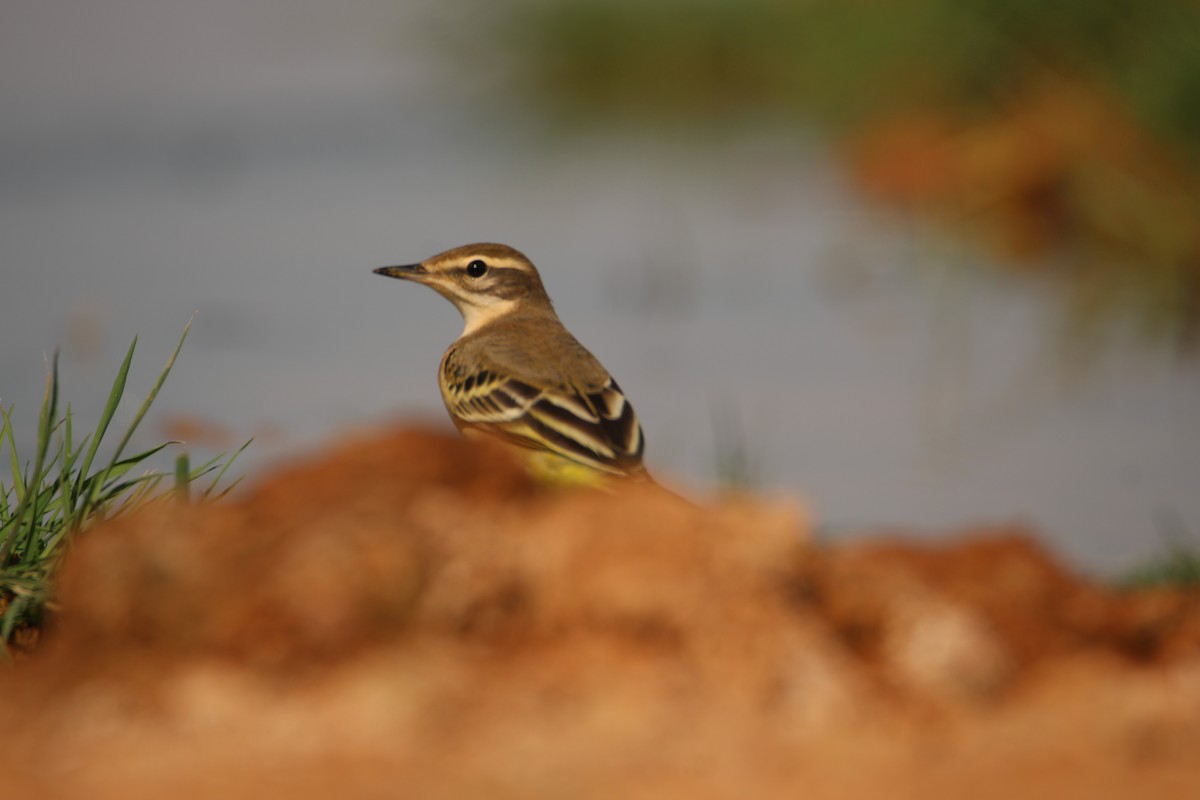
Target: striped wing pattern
599, 429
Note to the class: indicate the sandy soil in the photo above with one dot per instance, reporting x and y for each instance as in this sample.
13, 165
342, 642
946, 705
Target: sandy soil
408, 617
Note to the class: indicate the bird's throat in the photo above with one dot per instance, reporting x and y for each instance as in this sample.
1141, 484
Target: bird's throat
479, 314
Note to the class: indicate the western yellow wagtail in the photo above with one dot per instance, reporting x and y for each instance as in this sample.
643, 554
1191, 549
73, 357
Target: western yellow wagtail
516, 373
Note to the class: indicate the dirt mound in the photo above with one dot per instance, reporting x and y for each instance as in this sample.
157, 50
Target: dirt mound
409, 616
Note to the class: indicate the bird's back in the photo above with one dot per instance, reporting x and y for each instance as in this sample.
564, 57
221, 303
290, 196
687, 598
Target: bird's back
527, 380
537, 349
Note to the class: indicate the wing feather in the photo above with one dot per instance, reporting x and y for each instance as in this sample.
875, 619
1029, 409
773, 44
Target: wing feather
599, 429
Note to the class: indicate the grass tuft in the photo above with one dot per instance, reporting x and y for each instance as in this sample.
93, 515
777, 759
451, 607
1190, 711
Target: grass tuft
47, 503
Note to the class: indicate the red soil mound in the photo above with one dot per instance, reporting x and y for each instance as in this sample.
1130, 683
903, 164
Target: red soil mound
410, 617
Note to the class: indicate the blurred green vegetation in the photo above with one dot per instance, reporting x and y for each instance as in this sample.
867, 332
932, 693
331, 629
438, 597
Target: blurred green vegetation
1178, 567
843, 62
1178, 564
1065, 136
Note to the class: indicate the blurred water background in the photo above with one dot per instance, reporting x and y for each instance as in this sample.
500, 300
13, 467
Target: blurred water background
775, 285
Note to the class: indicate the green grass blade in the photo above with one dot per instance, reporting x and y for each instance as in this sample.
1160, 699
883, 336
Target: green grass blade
221, 473
182, 478
49, 406
43, 519
6, 434
47, 423
68, 442
226, 490
137, 419
135, 492
103, 479
111, 488
18, 479
206, 467
110, 408
16, 606
115, 490
65, 483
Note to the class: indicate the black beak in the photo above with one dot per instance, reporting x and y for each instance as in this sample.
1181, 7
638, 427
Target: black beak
402, 271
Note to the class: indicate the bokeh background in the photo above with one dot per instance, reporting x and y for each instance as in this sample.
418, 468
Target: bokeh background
926, 263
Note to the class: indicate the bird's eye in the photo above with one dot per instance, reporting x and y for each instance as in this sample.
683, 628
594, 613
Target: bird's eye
476, 268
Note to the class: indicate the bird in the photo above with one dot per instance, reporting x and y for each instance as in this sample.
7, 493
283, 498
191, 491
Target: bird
517, 375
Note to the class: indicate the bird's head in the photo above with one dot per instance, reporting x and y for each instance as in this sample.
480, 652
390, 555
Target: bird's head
483, 281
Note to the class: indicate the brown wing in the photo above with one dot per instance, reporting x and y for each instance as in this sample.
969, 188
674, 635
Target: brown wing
598, 429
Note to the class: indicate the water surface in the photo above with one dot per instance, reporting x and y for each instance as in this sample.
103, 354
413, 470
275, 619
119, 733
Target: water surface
737, 288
